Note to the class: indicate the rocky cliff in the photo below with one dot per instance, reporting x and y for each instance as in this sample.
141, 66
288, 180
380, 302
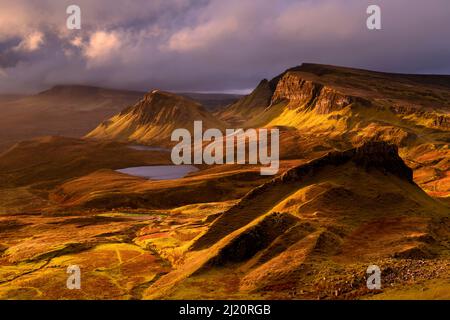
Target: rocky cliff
310, 95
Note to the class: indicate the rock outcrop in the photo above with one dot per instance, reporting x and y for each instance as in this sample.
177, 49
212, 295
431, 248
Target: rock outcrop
379, 156
312, 96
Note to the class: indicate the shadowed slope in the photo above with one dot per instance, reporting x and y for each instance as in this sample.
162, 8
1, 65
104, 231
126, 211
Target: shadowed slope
55, 159
106, 189
250, 105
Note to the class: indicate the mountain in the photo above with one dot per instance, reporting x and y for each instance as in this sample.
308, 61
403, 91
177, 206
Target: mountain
326, 89
75, 110
62, 110
364, 180
152, 120
324, 220
338, 107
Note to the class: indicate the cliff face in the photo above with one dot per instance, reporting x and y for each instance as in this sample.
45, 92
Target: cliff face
311, 95
438, 121
325, 89
297, 91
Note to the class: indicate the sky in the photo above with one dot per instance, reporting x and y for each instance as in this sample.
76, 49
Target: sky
211, 45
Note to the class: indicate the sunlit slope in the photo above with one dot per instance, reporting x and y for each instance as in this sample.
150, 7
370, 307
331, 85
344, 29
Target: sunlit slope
318, 98
370, 156
327, 88
153, 119
339, 107
329, 218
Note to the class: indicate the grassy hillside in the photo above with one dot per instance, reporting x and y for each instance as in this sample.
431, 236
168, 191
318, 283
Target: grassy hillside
152, 120
338, 215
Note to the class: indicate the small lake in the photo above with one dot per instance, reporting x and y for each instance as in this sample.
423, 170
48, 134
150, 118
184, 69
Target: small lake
159, 172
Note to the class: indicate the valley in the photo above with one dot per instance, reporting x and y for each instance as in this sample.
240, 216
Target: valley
363, 180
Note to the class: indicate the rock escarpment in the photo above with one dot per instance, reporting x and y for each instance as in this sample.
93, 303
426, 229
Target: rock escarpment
379, 156
312, 96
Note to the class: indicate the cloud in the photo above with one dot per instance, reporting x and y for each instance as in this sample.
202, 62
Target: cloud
212, 45
202, 36
101, 47
77, 42
31, 42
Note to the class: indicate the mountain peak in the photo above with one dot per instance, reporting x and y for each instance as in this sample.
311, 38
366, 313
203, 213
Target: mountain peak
157, 100
160, 94
153, 118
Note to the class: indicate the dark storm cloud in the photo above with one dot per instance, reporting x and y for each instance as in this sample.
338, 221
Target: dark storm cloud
9, 58
212, 45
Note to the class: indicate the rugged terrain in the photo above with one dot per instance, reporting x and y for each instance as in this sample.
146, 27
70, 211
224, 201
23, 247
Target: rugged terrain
309, 233
152, 120
364, 179
74, 110
336, 108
